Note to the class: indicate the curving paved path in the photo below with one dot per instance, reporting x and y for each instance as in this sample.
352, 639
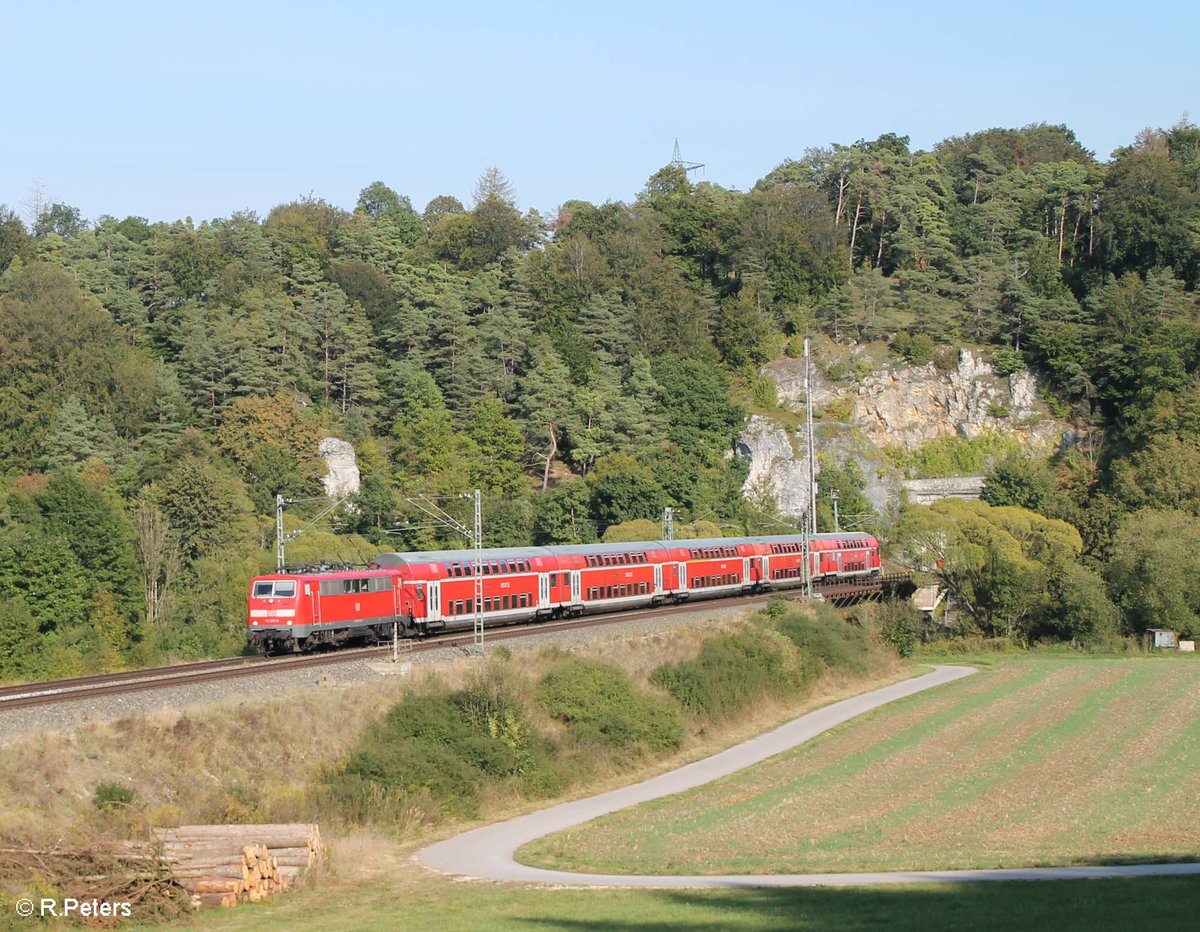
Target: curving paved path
487, 853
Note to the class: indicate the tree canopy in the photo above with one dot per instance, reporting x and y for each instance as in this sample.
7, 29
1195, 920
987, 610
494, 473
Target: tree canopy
169, 379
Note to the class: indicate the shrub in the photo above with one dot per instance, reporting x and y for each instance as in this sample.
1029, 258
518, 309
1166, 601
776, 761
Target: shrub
840, 409
1007, 361
113, 796
827, 640
731, 671
917, 349
840, 370
777, 606
946, 359
600, 704
447, 747
900, 626
954, 456
764, 392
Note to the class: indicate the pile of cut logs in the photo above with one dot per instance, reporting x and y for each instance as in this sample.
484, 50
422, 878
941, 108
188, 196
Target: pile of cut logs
223, 865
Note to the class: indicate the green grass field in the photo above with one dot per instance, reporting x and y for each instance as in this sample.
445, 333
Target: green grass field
443, 905
1029, 762
1050, 760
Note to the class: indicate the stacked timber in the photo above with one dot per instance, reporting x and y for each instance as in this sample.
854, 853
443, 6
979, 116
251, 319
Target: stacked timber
223, 865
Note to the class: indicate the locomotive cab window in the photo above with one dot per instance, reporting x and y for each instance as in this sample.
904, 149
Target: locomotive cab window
278, 589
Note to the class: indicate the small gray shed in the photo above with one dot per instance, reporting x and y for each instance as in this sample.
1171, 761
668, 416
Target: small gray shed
1162, 638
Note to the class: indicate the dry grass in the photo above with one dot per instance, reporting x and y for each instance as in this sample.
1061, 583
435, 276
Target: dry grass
258, 759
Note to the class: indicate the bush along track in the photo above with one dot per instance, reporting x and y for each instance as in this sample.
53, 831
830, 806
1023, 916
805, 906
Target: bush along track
531, 731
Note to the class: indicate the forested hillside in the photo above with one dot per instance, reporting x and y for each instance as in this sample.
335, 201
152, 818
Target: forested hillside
160, 383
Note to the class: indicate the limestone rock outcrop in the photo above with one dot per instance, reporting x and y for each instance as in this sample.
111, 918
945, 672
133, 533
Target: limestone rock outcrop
341, 465
778, 476
912, 405
892, 405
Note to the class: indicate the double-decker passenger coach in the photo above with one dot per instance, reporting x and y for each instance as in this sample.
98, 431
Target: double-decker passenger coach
421, 593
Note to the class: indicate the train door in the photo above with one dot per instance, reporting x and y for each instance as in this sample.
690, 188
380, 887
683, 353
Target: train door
658, 581
576, 587
766, 571
433, 601
313, 591
747, 568
543, 591
681, 577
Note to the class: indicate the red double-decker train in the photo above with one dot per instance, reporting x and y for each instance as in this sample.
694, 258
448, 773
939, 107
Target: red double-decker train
420, 593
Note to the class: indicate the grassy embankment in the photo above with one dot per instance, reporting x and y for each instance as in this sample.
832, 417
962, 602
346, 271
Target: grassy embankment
412, 758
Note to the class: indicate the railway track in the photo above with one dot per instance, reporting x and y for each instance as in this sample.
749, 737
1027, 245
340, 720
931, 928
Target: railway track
186, 674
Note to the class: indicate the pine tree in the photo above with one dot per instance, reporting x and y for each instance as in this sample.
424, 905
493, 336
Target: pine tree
75, 437
546, 403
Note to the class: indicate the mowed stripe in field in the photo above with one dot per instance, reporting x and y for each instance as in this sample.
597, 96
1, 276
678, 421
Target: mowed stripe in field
1031, 762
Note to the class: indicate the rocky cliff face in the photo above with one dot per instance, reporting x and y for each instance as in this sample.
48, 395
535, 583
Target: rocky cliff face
912, 405
899, 405
341, 477
891, 406
778, 478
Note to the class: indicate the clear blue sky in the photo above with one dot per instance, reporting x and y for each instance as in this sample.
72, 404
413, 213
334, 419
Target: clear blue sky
169, 109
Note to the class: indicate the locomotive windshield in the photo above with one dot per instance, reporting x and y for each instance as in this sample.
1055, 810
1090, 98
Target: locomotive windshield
279, 589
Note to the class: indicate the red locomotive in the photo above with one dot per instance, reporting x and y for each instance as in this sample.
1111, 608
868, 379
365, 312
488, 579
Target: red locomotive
435, 590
